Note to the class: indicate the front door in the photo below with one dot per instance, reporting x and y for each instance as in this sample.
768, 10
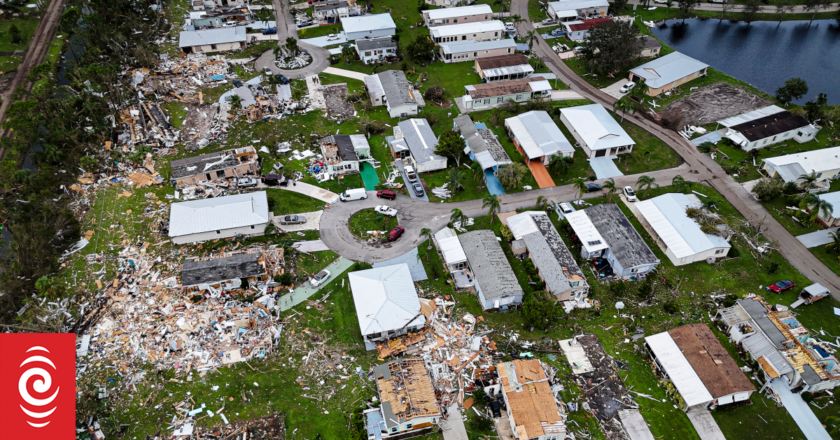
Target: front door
600, 153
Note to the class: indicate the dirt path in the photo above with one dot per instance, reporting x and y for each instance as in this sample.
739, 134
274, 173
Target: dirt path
35, 55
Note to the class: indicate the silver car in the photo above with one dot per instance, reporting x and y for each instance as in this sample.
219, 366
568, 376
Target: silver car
246, 182
292, 219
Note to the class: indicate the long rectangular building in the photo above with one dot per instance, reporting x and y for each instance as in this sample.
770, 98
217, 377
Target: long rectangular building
470, 50
495, 282
476, 31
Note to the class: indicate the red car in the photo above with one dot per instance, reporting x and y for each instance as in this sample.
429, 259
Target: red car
396, 233
781, 286
386, 194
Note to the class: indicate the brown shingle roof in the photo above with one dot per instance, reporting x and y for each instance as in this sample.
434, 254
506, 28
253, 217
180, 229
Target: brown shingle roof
514, 59
589, 24
502, 88
718, 371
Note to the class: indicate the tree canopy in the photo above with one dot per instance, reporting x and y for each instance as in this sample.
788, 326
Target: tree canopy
793, 90
618, 46
451, 145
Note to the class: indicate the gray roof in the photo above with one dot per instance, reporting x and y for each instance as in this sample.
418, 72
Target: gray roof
212, 36
625, 243
665, 70
490, 265
220, 269
376, 43
649, 42
683, 236
472, 45
809, 376
420, 139
550, 254
758, 346
346, 148
758, 313
484, 144
397, 88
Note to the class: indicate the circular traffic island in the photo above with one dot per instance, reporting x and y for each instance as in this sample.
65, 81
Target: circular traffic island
368, 224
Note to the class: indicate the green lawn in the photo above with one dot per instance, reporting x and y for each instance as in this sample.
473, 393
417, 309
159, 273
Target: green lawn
282, 202
536, 10
26, 25
370, 220
177, 112
318, 31
9, 63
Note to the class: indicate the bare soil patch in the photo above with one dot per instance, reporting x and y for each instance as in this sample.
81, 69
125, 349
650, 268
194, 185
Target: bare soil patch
709, 104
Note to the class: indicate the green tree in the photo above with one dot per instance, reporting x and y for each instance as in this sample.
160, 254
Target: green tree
768, 189
750, 10
819, 206
513, 175
559, 164
493, 204
539, 310
624, 105
455, 177
235, 101
276, 51
348, 53
618, 6
421, 48
816, 108
617, 44
807, 181
426, 232
457, 216
793, 90
14, 35
686, 6
610, 188
645, 183
814, 6
292, 46
451, 145
783, 7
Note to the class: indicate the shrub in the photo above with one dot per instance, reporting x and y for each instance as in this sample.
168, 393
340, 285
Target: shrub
506, 234
769, 189
618, 288
773, 267
733, 252
807, 397
480, 424
729, 300
705, 147
671, 307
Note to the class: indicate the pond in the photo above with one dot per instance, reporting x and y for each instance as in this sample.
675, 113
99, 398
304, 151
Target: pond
764, 54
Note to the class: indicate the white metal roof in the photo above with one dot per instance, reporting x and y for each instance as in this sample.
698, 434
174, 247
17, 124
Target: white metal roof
751, 116
450, 246
523, 224
468, 28
679, 370
537, 134
438, 14
385, 299
566, 5
212, 36
596, 127
834, 199
590, 238
472, 45
810, 161
365, 23
218, 213
665, 70
681, 234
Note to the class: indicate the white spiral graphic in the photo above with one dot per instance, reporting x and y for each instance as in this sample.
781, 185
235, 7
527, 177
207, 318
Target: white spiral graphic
41, 385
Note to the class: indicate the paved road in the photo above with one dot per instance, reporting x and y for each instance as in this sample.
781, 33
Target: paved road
286, 28
35, 55
415, 214
702, 167
800, 9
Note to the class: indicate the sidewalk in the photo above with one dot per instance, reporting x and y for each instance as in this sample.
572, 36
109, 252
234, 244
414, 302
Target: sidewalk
305, 291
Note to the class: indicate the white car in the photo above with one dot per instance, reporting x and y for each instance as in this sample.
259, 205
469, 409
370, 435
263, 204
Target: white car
246, 182
386, 210
331, 37
565, 208
319, 278
627, 87
629, 194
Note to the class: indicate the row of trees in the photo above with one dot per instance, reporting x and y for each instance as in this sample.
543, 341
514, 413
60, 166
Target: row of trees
61, 133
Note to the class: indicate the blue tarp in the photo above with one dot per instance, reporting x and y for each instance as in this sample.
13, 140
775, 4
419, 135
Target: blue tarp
217, 77
604, 167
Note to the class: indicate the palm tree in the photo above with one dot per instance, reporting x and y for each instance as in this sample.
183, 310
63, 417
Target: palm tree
819, 206
609, 185
457, 216
808, 180
542, 202
235, 101
640, 90
292, 45
493, 203
455, 178
532, 38
646, 182
623, 106
647, 155
678, 182
558, 164
428, 234
477, 171
835, 242
808, 200
348, 53
276, 51
580, 185
516, 19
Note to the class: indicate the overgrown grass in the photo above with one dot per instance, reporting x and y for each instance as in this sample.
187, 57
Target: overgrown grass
177, 112
26, 24
318, 31
282, 202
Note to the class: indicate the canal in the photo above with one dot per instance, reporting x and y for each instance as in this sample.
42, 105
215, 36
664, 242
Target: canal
764, 54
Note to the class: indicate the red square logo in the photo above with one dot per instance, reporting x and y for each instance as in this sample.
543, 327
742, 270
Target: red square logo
38, 386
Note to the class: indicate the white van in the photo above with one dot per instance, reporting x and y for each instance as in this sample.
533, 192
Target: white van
353, 194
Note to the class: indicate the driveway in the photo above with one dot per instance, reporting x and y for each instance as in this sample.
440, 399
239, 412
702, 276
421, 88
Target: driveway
565, 95
409, 187
324, 42
705, 425
313, 191
614, 89
346, 73
453, 428
313, 222
503, 427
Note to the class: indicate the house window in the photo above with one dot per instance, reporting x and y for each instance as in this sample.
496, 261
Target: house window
475, 54
719, 251
252, 226
220, 173
799, 133
409, 426
213, 46
574, 283
508, 50
218, 232
634, 270
498, 100
518, 97
393, 429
